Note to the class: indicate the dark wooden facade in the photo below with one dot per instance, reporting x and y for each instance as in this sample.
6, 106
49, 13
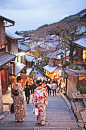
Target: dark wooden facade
5, 58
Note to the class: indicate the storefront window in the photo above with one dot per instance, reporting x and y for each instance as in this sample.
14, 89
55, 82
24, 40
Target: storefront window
84, 55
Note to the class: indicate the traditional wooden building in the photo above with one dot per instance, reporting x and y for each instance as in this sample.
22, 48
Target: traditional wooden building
5, 58
58, 57
16, 67
78, 72
73, 77
80, 49
25, 56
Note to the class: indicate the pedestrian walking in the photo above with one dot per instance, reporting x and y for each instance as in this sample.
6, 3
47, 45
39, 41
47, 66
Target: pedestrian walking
49, 86
18, 99
27, 92
54, 87
39, 101
34, 86
44, 85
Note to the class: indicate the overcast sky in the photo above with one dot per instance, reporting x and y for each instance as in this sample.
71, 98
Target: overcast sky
31, 14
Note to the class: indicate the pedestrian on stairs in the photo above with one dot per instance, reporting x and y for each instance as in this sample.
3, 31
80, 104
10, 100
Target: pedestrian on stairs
39, 101
18, 99
27, 92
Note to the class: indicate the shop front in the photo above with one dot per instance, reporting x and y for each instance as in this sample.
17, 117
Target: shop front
16, 69
5, 59
57, 74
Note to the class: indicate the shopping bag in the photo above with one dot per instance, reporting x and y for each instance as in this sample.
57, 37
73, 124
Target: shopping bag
11, 108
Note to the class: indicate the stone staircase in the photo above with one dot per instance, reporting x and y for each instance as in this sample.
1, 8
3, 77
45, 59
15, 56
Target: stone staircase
58, 117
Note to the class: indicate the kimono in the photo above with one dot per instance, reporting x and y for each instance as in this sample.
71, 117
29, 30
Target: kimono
39, 101
18, 102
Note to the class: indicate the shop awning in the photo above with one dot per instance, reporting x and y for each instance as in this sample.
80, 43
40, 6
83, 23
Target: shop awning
5, 58
60, 72
50, 68
28, 71
19, 67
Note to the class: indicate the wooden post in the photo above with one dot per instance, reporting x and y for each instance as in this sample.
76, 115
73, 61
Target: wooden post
1, 101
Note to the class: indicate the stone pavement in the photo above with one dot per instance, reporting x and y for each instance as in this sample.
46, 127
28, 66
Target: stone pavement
58, 117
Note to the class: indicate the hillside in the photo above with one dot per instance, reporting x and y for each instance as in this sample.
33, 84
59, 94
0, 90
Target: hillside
55, 28
75, 17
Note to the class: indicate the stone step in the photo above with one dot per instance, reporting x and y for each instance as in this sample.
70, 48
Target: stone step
63, 124
56, 128
38, 128
71, 124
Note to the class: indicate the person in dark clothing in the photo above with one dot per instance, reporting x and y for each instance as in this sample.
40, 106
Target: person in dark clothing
33, 86
27, 92
48, 86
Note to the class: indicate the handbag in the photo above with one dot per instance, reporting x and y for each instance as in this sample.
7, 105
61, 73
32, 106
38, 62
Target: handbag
15, 92
11, 108
35, 111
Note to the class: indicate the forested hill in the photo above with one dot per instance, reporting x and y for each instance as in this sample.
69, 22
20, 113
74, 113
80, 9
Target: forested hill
53, 29
74, 18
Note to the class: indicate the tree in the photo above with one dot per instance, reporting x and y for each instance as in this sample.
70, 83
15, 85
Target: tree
17, 32
67, 32
37, 52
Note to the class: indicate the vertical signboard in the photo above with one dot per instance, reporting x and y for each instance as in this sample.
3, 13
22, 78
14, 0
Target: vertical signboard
12, 68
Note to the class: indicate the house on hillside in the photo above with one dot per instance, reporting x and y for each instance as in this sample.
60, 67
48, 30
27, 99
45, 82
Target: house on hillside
5, 58
58, 57
83, 17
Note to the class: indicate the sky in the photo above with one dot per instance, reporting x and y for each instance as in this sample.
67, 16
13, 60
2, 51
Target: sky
31, 14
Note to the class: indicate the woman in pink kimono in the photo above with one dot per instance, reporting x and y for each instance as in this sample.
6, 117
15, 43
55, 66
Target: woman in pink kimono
39, 101
18, 98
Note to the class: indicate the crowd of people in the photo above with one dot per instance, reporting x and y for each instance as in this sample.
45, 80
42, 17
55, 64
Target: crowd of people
40, 90
50, 85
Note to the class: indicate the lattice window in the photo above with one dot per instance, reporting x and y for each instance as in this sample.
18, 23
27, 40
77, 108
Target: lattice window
75, 80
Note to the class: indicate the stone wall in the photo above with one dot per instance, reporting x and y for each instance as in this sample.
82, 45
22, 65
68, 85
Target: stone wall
71, 88
1, 101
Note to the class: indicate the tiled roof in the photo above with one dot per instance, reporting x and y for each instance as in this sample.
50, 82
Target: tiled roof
12, 35
52, 55
81, 42
26, 42
58, 57
23, 47
5, 58
6, 19
30, 57
19, 67
50, 68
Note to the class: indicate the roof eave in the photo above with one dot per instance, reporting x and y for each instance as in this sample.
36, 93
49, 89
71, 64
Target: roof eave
7, 20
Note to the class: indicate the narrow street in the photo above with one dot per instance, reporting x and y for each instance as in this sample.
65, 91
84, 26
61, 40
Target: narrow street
58, 117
